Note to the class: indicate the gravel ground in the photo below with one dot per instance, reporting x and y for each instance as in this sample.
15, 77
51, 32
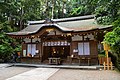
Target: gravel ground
12, 71
69, 74
64, 74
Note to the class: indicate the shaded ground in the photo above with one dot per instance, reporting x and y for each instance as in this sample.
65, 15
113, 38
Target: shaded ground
69, 74
12, 71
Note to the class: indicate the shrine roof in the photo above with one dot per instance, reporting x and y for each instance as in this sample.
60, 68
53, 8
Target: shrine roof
73, 24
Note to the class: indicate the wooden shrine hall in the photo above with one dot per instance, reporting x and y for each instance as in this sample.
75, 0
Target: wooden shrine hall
74, 40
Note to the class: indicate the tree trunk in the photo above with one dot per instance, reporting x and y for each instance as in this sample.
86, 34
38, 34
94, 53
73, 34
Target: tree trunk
58, 10
63, 9
21, 18
53, 4
47, 10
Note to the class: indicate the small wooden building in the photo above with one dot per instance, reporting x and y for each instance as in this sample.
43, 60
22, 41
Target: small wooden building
65, 41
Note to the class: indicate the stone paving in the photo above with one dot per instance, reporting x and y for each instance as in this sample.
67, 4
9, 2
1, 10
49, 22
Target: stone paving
35, 74
7, 72
32, 73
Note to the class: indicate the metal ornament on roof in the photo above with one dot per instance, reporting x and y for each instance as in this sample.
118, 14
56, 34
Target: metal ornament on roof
48, 21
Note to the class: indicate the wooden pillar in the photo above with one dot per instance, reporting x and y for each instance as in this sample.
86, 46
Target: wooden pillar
42, 49
83, 43
107, 59
71, 49
106, 48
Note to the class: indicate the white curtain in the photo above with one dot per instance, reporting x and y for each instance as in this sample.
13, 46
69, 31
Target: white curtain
80, 49
83, 48
31, 49
86, 48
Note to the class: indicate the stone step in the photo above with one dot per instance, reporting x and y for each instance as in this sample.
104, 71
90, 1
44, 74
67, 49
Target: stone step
57, 66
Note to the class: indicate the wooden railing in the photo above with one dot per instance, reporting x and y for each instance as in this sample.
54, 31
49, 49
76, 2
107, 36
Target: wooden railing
103, 61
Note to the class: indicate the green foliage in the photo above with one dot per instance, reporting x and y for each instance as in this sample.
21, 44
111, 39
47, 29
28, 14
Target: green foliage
5, 27
107, 11
18, 48
6, 46
83, 7
101, 53
113, 39
106, 20
116, 23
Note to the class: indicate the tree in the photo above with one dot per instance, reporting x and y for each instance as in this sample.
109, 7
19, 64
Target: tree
113, 39
83, 7
5, 42
107, 11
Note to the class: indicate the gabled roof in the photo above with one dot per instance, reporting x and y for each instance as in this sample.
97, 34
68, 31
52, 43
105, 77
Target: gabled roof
73, 24
62, 19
